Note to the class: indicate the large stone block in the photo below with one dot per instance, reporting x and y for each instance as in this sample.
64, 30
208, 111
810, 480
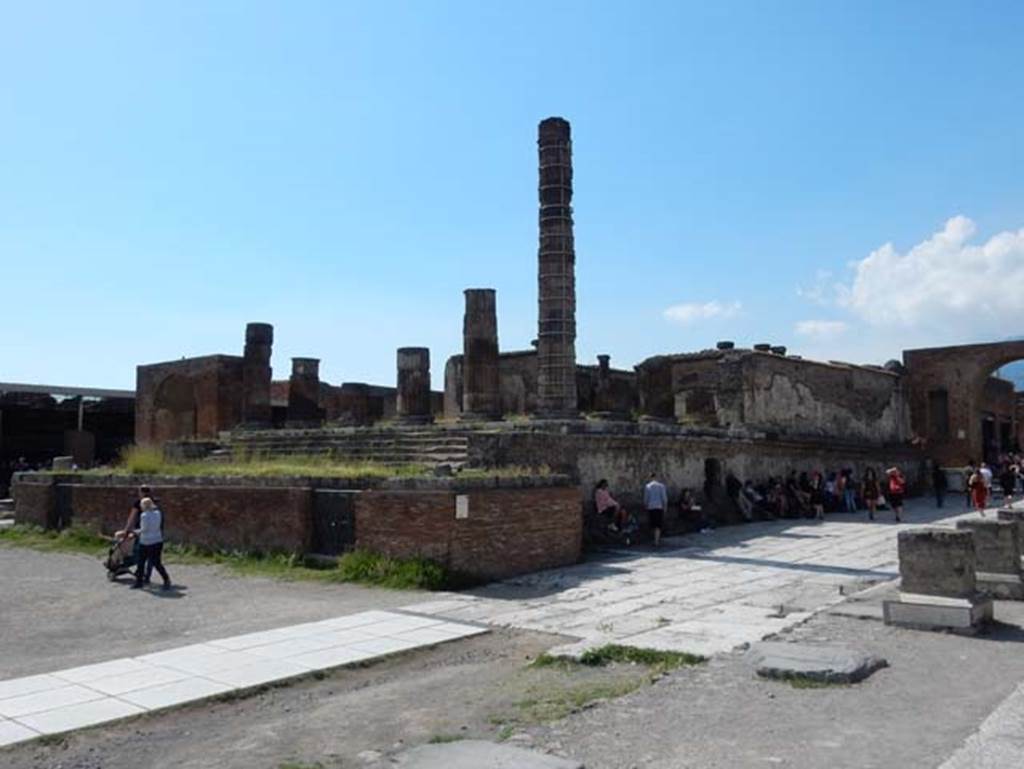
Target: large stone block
938, 562
997, 553
1016, 516
932, 612
996, 544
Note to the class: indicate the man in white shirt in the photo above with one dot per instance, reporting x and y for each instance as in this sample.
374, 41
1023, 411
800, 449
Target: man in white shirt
656, 503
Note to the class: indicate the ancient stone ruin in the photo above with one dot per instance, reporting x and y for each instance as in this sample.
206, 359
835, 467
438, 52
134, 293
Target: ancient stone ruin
690, 416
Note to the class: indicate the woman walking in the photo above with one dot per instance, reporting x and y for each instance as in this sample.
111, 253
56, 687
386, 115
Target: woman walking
979, 491
897, 488
151, 544
870, 491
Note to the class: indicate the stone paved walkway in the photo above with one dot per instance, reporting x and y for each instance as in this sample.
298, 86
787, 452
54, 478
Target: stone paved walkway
77, 697
702, 594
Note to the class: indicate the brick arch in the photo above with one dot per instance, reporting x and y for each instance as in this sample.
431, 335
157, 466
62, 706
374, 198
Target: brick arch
174, 409
957, 375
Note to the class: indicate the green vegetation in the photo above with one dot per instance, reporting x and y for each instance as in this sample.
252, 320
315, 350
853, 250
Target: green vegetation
652, 658
806, 682
300, 765
357, 566
149, 461
555, 704
146, 460
563, 685
658, 661
440, 739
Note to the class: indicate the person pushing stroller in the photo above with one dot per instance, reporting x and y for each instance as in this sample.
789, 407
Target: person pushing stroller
151, 545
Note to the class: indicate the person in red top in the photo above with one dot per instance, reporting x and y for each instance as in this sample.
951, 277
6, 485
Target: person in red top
605, 503
979, 491
897, 488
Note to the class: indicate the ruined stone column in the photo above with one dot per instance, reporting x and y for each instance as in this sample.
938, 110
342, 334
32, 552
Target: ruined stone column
413, 398
556, 334
304, 393
256, 375
481, 391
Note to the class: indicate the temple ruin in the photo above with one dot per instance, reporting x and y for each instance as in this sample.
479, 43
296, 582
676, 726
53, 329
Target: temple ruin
690, 416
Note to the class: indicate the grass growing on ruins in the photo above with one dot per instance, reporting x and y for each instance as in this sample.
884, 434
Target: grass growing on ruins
657, 661
358, 566
563, 685
146, 460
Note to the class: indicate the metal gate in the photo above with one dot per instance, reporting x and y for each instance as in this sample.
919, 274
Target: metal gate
334, 529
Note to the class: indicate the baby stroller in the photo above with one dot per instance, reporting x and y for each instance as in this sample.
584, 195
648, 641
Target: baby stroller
122, 556
598, 530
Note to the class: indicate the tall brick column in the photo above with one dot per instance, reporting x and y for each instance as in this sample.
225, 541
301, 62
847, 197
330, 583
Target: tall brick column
256, 375
413, 400
556, 334
481, 394
304, 393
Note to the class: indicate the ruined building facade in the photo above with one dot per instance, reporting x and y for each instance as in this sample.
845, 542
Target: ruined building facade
752, 403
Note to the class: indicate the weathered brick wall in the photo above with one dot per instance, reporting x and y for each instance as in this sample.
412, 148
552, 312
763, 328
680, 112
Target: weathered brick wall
34, 501
507, 531
207, 398
528, 525
249, 518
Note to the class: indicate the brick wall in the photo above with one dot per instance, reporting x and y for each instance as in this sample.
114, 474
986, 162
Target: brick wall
507, 531
34, 502
244, 518
526, 526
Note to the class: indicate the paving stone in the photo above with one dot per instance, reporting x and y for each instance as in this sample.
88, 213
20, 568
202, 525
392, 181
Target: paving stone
477, 754
830, 663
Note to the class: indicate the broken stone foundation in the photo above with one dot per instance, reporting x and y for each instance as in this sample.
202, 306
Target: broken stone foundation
938, 585
997, 549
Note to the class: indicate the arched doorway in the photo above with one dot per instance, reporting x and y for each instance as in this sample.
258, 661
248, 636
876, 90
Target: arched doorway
174, 409
959, 410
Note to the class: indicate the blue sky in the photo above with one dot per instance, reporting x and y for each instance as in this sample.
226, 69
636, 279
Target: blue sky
169, 171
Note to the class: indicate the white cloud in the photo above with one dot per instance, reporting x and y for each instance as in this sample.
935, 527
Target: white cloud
821, 330
821, 291
695, 311
944, 285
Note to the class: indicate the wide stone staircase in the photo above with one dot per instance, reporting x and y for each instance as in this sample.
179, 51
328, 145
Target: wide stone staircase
380, 446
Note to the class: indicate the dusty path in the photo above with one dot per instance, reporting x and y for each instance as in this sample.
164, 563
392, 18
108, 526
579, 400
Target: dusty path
57, 610
916, 713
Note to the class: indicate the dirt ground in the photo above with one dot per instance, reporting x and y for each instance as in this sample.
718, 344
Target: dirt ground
57, 610
915, 713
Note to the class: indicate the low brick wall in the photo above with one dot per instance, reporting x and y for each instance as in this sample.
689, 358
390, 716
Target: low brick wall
512, 526
221, 517
505, 531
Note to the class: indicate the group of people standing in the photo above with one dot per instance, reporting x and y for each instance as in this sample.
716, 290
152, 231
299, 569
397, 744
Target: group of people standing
803, 495
980, 481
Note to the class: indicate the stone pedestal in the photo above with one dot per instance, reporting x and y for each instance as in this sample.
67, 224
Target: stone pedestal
938, 586
413, 398
481, 391
256, 375
997, 552
1017, 516
304, 393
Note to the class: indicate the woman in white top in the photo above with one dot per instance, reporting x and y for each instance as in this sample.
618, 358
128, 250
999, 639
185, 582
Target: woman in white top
151, 544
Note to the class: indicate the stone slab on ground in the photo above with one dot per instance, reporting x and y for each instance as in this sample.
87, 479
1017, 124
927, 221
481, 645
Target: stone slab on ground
932, 612
479, 754
829, 663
